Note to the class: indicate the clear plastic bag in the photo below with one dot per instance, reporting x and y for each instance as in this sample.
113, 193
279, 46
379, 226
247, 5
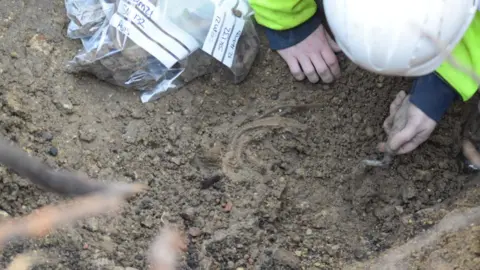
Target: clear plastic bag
157, 45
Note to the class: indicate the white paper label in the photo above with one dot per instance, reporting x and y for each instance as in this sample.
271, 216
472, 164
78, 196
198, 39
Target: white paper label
160, 38
224, 33
232, 45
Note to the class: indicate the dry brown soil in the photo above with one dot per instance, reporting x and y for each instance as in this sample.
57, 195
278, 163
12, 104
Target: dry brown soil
298, 198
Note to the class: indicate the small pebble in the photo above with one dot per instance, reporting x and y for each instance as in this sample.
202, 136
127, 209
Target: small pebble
176, 160
228, 207
285, 257
47, 136
296, 238
369, 131
53, 151
87, 134
309, 231
357, 118
209, 181
194, 231
188, 214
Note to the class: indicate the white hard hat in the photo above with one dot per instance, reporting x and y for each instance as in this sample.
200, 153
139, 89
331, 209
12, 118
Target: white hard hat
388, 37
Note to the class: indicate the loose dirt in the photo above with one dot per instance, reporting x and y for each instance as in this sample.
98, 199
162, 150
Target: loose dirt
280, 190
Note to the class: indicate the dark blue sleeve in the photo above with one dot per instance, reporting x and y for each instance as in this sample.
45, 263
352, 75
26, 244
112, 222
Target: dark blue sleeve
286, 38
433, 95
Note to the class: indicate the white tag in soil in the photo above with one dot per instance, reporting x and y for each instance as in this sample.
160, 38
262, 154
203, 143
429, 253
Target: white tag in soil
161, 38
224, 33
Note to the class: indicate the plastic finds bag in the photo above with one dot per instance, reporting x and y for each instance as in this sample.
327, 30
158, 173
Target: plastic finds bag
157, 45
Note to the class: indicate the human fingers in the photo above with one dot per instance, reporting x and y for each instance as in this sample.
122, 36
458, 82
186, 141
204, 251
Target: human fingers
382, 147
423, 126
308, 68
388, 124
394, 109
293, 64
401, 138
331, 60
397, 102
419, 138
402, 116
404, 149
321, 68
411, 145
332, 43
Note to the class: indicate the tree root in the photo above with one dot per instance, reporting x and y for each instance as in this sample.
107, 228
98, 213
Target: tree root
164, 251
60, 182
470, 152
42, 221
397, 258
284, 109
232, 158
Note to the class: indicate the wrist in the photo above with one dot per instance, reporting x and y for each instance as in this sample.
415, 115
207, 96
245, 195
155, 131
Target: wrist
433, 96
282, 39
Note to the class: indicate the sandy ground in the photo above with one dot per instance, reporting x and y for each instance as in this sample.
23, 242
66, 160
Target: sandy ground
298, 199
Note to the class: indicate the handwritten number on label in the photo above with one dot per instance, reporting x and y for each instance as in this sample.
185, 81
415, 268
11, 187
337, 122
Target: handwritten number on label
123, 28
139, 20
224, 38
126, 9
144, 8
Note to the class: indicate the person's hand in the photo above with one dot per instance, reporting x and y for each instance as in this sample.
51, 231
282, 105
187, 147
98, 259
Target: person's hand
407, 126
313, 57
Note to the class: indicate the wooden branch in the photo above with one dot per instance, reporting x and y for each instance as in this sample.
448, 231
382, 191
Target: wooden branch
60, 182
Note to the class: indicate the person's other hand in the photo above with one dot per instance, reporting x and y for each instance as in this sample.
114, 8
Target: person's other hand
407, 126
313, 57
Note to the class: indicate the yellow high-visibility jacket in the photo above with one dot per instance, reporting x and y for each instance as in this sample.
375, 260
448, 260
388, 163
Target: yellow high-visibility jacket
289, 21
